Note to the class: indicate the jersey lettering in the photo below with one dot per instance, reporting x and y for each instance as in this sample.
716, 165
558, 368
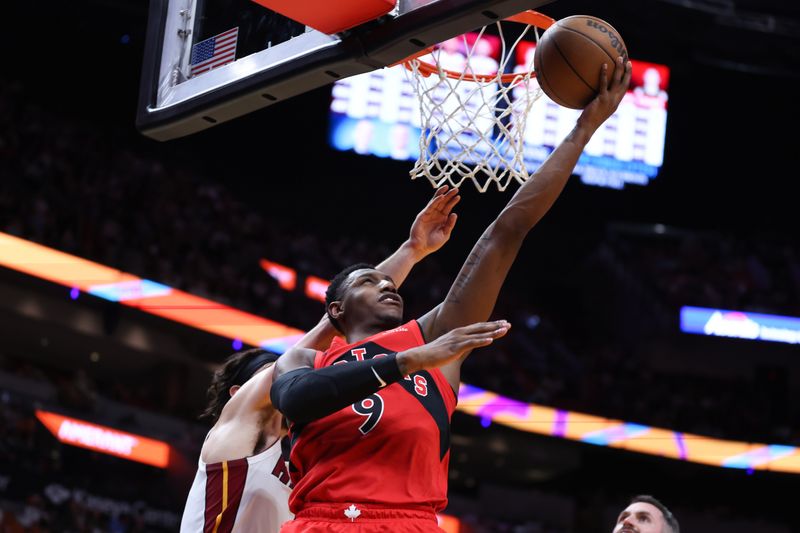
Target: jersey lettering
282, 473
372, 408
421, 385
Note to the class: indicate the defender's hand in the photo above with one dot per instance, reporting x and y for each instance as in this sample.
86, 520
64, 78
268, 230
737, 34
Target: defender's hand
451, 346
434, 224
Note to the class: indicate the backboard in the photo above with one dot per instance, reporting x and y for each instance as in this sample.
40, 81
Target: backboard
210, 61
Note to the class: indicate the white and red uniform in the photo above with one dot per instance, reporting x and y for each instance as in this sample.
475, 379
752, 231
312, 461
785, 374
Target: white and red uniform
248, 495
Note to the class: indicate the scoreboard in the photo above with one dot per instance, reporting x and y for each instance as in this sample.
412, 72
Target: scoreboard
378, 113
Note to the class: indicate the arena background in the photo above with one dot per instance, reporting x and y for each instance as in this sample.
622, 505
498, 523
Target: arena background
594, 296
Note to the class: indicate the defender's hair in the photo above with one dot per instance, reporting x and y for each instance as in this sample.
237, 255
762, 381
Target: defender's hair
236, 370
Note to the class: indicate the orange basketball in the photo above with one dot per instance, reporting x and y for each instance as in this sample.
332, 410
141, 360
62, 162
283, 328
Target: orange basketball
569, 56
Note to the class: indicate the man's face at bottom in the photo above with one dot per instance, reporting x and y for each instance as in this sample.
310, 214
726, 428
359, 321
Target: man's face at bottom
640, 517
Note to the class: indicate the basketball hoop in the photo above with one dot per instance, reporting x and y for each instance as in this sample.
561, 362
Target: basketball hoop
473, 116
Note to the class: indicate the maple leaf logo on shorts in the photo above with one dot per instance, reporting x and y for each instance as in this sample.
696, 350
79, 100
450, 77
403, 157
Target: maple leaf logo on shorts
352, 512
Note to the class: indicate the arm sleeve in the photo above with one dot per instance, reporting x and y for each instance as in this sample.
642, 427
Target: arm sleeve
304, 395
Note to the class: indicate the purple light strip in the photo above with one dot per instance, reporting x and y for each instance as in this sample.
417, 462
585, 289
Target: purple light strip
682, 454
560, 423
467, 391
503, 405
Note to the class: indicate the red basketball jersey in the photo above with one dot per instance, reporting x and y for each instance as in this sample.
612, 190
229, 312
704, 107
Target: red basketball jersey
392, 448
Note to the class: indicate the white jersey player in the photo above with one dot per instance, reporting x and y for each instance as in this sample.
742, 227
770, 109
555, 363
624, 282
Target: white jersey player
242, 483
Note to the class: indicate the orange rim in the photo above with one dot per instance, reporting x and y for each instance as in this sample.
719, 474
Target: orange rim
530, 18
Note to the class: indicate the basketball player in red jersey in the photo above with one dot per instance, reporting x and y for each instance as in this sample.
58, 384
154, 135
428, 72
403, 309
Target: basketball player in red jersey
370, 437
242, 483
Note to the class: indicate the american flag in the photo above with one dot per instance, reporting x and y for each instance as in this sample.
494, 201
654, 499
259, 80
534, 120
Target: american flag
214, 52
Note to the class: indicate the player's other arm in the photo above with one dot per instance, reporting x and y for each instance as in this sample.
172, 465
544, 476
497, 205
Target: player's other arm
303, 394
474, 292
430, 230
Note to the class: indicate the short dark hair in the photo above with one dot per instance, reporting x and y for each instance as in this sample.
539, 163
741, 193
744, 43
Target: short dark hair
235, 370
669, 518
335, 290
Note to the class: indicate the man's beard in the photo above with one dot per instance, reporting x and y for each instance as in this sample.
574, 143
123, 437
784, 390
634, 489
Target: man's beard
389, 321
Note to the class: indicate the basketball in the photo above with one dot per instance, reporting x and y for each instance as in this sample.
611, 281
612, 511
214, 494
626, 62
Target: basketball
569, 56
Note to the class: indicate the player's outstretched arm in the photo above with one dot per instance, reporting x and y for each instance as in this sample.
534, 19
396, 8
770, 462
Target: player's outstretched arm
303, 394
430, 230
474, 292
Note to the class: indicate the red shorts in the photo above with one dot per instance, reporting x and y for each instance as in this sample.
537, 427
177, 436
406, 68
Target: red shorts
361, 518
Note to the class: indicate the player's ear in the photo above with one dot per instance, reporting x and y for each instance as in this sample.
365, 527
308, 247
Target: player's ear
336, 309
233, 390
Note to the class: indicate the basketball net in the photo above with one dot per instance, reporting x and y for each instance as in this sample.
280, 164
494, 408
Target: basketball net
472, 119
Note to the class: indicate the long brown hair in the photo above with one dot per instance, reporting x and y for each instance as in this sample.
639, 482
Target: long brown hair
233, 371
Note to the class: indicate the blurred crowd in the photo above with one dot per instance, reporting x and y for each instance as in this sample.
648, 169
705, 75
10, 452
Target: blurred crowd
760, 273
85, 191
48, 487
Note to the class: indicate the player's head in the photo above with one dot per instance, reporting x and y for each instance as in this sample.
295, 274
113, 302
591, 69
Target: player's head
234, 372
645, 514
483, 48
399, 135
652, 80
360, 294
363, 134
